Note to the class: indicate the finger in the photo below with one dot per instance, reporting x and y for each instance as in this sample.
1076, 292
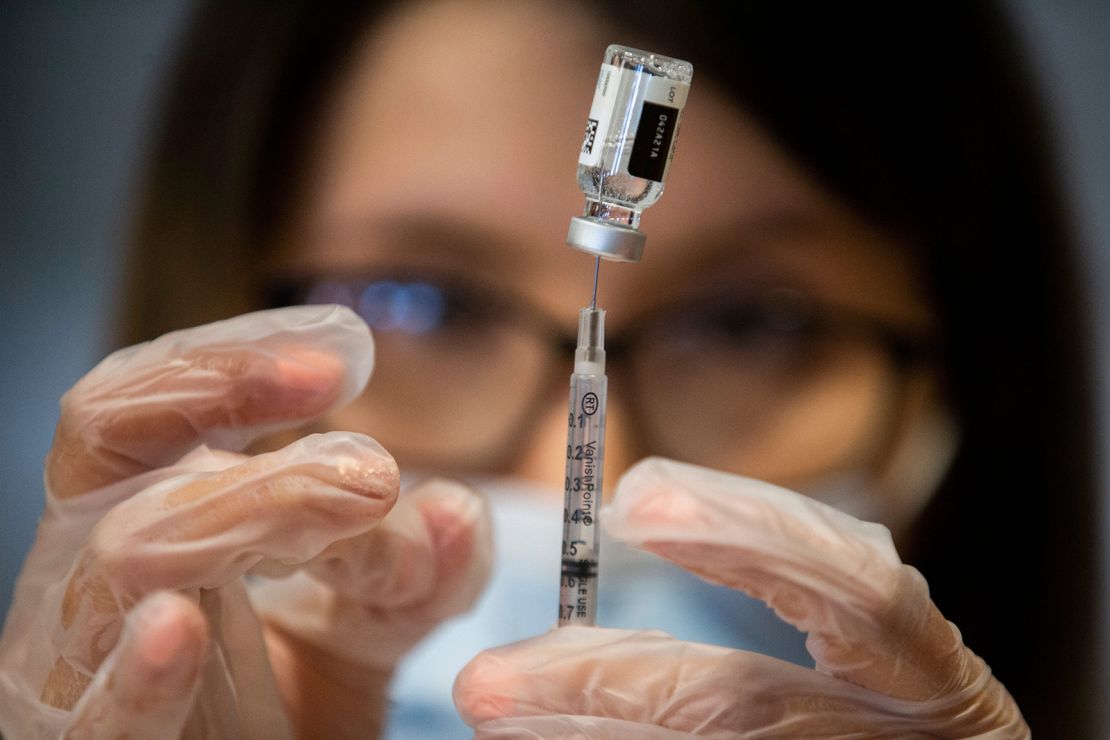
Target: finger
203, 531
649, 678
432, 553
222, 384
376, 594
571, 727
146, 686
869, 617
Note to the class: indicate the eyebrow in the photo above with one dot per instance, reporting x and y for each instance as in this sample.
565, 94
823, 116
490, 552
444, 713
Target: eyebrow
445, 240
716, 254
749, 236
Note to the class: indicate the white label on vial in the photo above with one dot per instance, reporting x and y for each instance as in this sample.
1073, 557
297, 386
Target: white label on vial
601, 111
668, 92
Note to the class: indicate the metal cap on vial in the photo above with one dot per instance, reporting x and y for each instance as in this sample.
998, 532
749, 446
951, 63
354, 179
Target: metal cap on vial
606, 239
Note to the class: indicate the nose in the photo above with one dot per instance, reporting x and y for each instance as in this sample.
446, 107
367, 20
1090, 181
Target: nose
543, 459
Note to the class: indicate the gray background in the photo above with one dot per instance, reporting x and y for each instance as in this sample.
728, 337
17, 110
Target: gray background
77, 84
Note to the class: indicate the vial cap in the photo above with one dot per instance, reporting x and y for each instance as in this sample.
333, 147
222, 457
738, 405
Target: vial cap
606, 240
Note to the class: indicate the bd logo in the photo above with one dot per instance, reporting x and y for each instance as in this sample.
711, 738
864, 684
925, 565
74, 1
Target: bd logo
591, 134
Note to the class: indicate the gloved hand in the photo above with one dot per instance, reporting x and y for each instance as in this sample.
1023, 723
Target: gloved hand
887, 662
133, 614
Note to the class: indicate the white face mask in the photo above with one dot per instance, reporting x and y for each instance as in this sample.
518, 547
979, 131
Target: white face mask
907, 484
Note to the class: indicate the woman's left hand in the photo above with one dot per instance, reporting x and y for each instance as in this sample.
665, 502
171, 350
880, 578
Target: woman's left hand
888, 664
179, 589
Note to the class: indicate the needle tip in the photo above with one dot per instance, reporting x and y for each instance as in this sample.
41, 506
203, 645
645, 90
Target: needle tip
597, 271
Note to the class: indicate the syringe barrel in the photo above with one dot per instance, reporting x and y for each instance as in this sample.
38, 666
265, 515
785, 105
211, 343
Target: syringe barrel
581, 533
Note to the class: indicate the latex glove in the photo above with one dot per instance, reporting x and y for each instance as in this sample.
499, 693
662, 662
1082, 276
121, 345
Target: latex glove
132, 613
887, 662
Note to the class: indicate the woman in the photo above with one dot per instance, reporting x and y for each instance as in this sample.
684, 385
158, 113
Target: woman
878, 207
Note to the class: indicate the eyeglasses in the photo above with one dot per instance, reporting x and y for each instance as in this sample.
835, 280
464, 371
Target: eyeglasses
764, 380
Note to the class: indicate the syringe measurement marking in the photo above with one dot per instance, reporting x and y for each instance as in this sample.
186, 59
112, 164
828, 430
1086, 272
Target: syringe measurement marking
583, 484
581, 459
577, 577
580, 563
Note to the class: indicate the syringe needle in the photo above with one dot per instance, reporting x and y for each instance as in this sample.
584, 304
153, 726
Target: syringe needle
597, 271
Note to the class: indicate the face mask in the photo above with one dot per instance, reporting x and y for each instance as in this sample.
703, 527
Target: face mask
895, 497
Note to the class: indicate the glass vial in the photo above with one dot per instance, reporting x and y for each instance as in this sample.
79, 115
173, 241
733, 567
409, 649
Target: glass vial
627, 149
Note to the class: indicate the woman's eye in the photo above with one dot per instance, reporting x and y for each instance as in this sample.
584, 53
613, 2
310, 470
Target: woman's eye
772, 320
779, 311
739, 327
415, 307
739, 323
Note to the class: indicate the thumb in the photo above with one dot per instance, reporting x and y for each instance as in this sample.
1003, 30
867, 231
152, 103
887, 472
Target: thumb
572, 727
146, 686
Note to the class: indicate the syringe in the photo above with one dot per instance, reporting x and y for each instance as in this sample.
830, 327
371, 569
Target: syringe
629, 141
585, 457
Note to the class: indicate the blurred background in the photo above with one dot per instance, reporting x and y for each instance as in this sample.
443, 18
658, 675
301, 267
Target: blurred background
78, 82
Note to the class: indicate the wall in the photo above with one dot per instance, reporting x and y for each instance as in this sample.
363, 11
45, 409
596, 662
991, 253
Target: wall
1070, 41
76, 86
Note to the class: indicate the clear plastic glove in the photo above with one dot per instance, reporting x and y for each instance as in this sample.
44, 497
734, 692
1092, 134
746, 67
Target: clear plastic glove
133, 614
887, 662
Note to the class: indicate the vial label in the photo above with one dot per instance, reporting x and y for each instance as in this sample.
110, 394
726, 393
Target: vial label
601, 112
651, 148
666, 91
655, 132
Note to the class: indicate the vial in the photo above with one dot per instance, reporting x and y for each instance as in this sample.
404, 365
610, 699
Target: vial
627, 149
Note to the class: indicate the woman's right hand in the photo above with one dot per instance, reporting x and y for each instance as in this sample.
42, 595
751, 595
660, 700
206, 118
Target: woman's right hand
133, 611
887, 662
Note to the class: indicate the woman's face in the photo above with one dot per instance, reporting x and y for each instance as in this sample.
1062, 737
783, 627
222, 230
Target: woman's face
755, 336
